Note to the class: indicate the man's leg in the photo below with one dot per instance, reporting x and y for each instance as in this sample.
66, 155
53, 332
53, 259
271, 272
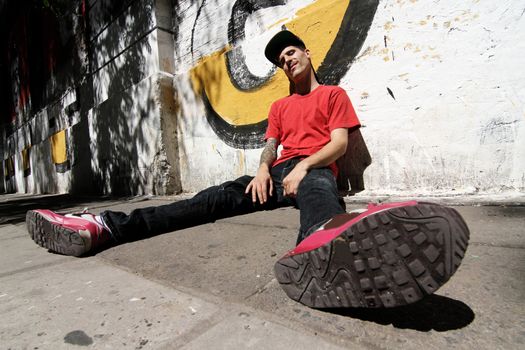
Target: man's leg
318, 201
213, 203
79, 233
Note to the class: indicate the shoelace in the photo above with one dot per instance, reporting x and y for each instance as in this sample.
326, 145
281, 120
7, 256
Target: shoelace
79, 214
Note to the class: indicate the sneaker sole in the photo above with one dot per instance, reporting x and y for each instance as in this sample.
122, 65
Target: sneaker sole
53, 236
390, 258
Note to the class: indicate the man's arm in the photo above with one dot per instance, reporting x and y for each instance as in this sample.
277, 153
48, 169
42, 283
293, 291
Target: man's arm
324, 157
262, 185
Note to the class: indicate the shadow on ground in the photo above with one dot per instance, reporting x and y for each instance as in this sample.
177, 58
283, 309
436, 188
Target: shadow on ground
14, 210
435, 312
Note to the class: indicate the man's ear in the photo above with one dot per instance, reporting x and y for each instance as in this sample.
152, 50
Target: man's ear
307, 52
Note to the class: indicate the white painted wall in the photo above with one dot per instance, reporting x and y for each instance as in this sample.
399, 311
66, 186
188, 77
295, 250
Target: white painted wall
458, 123
205, 160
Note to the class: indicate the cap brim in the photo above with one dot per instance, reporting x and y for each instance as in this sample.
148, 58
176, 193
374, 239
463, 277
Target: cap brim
279, 42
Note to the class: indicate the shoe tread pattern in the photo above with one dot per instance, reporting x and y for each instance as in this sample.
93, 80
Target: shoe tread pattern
54, 237
391, 258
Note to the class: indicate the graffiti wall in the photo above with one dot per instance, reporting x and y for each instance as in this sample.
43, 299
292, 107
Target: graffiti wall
237, 100
233, 85
163, 96
437, 87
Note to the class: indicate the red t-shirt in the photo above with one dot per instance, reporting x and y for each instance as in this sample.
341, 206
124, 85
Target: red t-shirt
302, 123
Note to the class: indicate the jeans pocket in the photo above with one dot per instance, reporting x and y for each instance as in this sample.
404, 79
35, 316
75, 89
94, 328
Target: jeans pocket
286, 171
290, 164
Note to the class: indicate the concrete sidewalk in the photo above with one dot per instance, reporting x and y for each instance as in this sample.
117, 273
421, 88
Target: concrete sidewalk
212, 287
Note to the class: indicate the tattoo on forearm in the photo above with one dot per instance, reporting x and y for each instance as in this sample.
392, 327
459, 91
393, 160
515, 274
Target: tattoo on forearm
269, 153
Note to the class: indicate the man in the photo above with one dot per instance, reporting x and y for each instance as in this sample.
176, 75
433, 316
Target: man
388, 255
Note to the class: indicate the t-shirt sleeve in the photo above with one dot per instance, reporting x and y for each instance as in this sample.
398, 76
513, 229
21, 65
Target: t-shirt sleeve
342, 113
274, 124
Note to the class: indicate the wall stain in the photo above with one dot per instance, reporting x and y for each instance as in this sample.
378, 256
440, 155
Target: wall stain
390, 93
499, 131
78, 337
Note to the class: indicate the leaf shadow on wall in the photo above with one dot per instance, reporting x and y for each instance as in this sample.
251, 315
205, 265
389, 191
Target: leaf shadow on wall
120, 123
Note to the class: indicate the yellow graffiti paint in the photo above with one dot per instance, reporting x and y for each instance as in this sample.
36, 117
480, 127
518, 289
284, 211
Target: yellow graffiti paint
317, 24
9, 164
241, 163
58, 147
25, 159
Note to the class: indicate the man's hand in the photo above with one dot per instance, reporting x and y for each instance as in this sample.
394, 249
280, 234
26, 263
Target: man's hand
293, 179
324, 157
261, 186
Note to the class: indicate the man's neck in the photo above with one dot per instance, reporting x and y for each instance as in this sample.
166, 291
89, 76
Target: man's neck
307, 85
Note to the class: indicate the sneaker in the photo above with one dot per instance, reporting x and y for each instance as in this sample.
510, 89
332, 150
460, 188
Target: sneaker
390, 255
71, 234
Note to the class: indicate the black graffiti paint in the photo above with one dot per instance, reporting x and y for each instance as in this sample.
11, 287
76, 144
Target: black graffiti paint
349, 40
241, 136
347, 44
239, 74
237, 136
195, 24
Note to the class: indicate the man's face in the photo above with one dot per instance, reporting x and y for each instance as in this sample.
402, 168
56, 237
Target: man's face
295, 62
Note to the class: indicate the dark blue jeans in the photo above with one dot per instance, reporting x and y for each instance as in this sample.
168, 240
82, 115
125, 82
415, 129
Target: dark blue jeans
317, 199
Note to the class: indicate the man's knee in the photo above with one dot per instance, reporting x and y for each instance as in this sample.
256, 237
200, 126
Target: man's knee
244, 180
238, 184
318, 180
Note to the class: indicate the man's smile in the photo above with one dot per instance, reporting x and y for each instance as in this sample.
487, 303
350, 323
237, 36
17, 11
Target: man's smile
293, 66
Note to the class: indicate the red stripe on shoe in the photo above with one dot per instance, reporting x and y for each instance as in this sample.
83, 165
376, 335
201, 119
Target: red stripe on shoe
321, 237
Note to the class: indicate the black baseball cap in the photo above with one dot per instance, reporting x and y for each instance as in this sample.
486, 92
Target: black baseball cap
280, 41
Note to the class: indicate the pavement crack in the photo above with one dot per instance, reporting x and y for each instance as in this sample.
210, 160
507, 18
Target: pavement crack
256, 225
199, 329
24, 236
36, 267
262, 289
507, 246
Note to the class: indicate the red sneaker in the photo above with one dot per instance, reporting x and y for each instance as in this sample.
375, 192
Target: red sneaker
390, 255
71, 234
